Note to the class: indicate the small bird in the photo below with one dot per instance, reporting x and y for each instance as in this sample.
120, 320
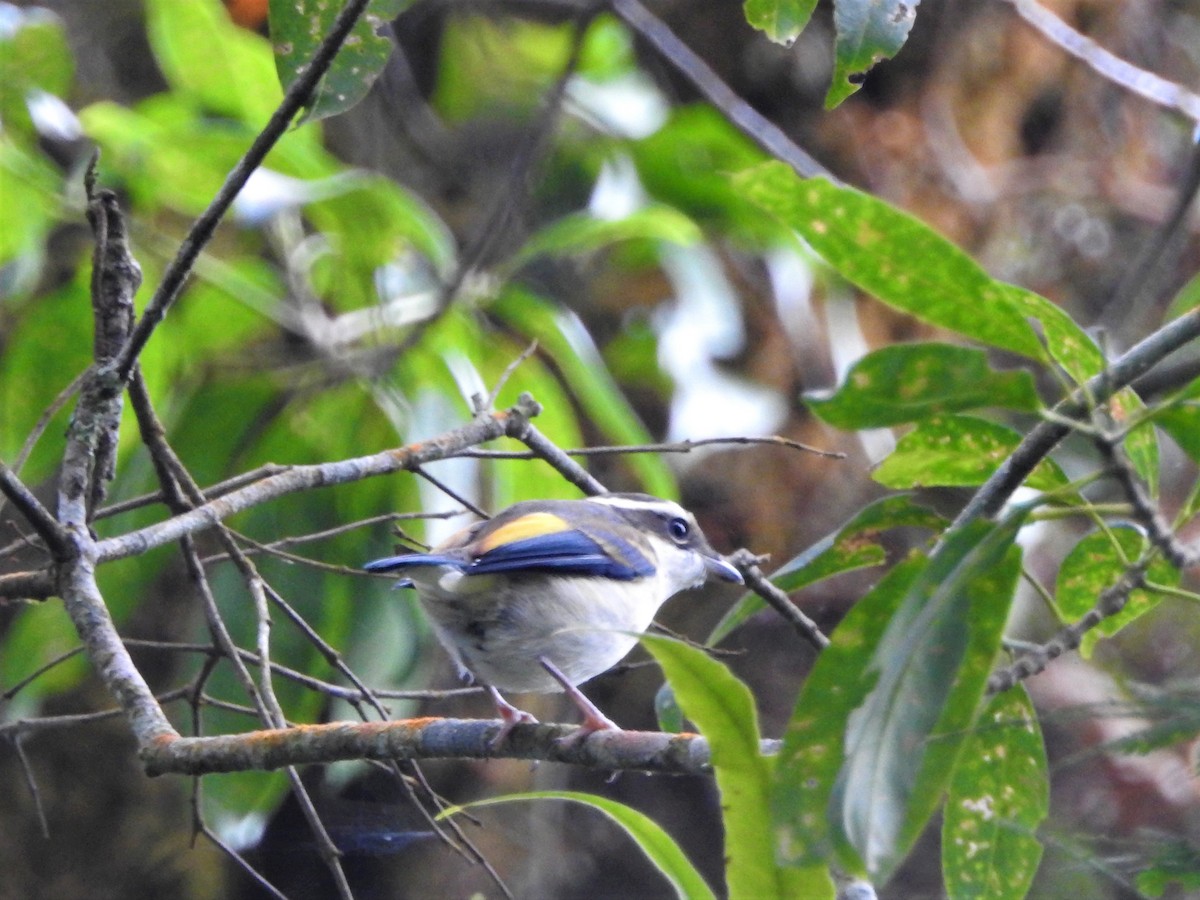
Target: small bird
550, 593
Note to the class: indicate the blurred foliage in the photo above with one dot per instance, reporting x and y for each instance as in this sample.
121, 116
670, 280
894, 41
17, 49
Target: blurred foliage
341, 311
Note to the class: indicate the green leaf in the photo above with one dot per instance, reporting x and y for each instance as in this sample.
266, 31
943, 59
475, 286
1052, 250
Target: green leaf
867, 32
685, 164
1096, 563
932, 665
29, 202
1173, 861
1068, 344
958, 451
298, 27
658, 846
723, 709
227, 69
1182, 423
851, 547
34, 57
909, 382
893, 256
998, 796
562, 336
583, 233
1141, 444
491, 67
36, 637
780, 20
813, 743
667, 711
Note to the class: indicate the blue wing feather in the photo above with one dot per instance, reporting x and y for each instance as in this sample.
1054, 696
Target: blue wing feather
562, 552
392, 563
565, 552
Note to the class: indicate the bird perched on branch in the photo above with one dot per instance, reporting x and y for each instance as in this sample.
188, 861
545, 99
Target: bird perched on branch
550, 593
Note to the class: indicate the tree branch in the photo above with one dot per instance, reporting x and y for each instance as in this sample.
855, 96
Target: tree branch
205, 226
1108, 65
1046, 435
300, 478
37, 515
745, 117
432, 738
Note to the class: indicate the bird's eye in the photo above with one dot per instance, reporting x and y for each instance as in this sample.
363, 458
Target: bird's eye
679, 529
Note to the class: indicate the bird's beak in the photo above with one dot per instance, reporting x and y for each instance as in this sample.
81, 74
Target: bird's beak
722, 569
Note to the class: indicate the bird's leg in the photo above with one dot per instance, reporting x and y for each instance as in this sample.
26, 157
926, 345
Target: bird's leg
509, 714
593, 719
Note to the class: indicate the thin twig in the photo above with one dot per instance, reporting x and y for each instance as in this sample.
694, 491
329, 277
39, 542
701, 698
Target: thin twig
745, 117
1111, 601
202, 230
31, 782
1107, 64
258, 878
685, 446
450, 492
546, 450
37, 515
1046, 435
426, 738
747, 564
302, 478
1145, 511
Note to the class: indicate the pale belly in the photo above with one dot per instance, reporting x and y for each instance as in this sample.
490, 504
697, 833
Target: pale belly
500, 635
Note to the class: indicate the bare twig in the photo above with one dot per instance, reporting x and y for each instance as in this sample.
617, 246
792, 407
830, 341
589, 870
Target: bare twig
1046, 435
747, 564
1106, 64
116, 277
1145, 511
93, 427
1111, 602
300, 478
202, 230
546, 450
745, 117
216, 841
31, 783
685, 446
31, 508
35, 585
450, 492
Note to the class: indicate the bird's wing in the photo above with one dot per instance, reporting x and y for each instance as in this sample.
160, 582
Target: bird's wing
532, 542
567, 552
542, 541
407, 560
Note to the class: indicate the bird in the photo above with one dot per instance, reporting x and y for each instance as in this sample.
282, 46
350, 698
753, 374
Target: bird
548, 594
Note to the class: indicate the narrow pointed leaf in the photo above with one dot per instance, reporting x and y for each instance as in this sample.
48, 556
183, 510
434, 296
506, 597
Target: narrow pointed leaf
658, 846
853, 546
932, 665
910, 382
907, 265
958, 451
867, 31
814, 742
724, 711
998, 796
298, 28
780, 20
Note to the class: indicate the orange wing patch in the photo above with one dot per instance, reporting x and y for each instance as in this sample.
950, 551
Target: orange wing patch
527, 526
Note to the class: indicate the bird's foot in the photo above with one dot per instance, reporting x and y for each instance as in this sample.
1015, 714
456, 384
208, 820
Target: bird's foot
593, 719
509, 715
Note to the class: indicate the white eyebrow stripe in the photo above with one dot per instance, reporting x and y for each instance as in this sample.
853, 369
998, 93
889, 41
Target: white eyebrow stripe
666, 506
